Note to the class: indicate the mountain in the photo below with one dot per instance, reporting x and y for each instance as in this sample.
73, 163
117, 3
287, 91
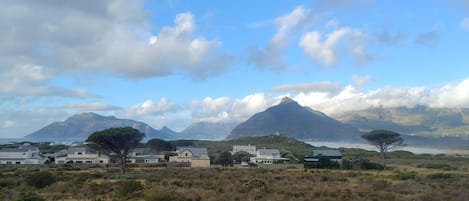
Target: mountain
297, 121
208, 130
418, 120
84, 124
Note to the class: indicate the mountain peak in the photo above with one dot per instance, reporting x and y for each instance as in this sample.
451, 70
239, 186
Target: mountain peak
286, 100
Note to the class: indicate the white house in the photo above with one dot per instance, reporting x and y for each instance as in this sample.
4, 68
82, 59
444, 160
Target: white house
197, 157
24, 154
249, 149
81, 155
267, 156
143, 155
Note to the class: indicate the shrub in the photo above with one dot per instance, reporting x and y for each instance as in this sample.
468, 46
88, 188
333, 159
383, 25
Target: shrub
29, 197
40, 179
405, 175
361, 164
129, 189
440, 176
163, 195
439, 166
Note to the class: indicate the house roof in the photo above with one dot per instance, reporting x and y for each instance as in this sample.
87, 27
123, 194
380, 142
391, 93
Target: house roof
72, 150
325, 152
141, 150
196, 152
23, 148
273, 152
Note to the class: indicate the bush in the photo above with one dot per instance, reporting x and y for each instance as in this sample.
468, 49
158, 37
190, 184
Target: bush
163, 195
40, 179
29, 197
129, 189
405, 175
439, 166
440, 176
361, 164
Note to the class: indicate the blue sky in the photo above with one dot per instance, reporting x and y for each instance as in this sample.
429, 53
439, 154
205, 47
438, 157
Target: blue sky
176, 62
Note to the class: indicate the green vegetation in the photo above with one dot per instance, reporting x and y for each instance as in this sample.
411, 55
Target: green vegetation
150, 183
384, 140
286, 145
118, 141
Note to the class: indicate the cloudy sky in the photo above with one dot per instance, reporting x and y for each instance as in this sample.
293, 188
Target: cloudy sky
173, 62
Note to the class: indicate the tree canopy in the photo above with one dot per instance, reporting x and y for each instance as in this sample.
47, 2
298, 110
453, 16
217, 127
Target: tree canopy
118, 141
158, 145
384, 140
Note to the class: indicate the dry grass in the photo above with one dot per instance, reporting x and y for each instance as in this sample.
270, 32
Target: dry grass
246, 184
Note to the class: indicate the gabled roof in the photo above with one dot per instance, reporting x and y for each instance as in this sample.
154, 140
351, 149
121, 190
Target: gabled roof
325, 152
196, 152
270, 152
141, 150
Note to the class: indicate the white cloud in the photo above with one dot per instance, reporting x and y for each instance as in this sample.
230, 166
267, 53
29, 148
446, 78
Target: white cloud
150, 108
326, 87
33, 80
7, 124
93, 106
360, 81
271, 57
465, 24
106, 36
323, 51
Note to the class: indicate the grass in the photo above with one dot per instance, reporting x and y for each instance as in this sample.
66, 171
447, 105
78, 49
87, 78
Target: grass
150, 183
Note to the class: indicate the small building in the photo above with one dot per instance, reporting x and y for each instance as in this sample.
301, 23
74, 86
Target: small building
81, 155
23, 155
143, 156
197, 157
268, 156
249, 149
333, 155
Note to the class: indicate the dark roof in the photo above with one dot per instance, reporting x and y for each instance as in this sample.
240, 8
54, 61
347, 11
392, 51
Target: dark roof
141, 150
325, 152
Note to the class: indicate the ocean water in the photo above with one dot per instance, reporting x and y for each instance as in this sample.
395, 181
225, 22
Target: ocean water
413, 149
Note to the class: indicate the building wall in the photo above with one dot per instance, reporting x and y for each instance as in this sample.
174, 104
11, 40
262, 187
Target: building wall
200, 163
179, 159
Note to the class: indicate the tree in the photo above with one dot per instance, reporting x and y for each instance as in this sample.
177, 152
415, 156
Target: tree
384, 140
118, 141
225, 159
242, 156
159, 145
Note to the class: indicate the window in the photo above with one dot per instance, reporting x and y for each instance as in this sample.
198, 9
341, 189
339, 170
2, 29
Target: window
78, 161
88, 161
185, 154
9, 163
101, 161
79, 153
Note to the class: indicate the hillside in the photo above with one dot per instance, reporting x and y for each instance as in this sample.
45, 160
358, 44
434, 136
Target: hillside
297, 121
82, 125
284, 143
419, 120
208, 130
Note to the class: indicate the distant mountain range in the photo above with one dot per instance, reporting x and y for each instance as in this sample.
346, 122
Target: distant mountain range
80, 126
84, 124
208, 130
417, 124
297, 121
419, 120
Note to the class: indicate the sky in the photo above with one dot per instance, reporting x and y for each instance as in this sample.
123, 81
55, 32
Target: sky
175, 62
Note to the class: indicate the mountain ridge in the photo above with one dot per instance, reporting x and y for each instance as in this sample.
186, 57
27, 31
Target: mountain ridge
288, 117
